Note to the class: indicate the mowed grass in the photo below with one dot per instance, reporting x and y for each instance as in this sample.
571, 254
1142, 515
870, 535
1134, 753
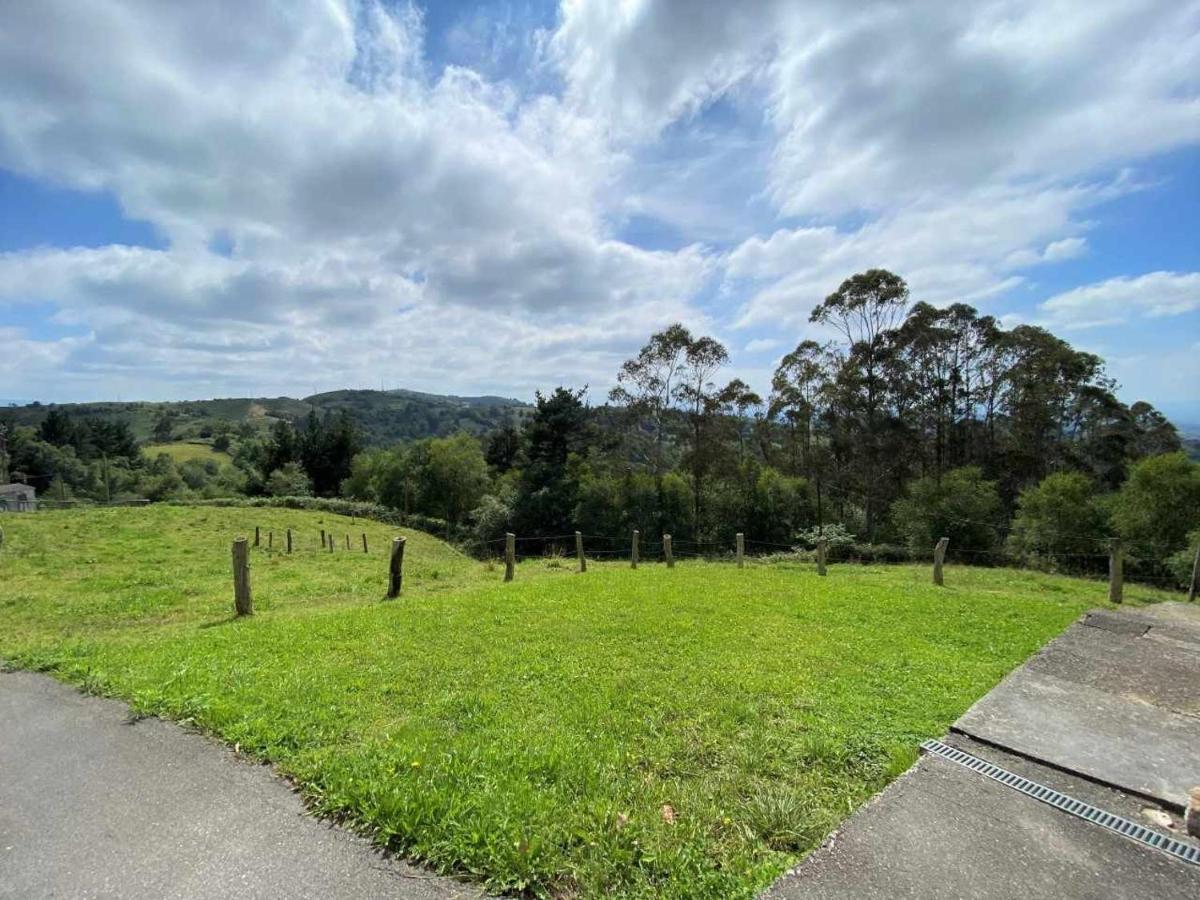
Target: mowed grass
184, 451
652, 733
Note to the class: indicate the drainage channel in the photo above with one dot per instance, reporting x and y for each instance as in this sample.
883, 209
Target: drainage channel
1127, 829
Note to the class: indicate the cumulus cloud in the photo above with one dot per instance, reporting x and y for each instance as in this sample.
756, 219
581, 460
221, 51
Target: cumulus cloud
450, 227
1117, 300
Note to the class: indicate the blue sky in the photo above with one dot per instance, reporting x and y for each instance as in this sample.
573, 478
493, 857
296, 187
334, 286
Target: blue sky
220, 199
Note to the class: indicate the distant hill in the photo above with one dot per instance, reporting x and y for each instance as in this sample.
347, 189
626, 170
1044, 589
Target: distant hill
384, 417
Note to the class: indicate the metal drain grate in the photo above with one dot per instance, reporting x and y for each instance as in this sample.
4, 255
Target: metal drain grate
1069, 805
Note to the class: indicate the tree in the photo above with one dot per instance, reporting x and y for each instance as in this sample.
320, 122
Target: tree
163, 426
700, 399
503, 448
865, 309
326, 450
1061, 519
289, 481
454, 478
1159, 504
559, 428
647, 384
799, 391
962, 505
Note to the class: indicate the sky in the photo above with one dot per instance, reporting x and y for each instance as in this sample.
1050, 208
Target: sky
262, 199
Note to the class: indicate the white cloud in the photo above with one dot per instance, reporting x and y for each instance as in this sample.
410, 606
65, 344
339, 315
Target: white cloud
457, 229
1154, 295
762, 345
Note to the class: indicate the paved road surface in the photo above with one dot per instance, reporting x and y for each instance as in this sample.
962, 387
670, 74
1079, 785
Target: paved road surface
93, 807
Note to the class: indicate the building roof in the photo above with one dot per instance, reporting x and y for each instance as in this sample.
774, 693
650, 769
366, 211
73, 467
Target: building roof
17, 488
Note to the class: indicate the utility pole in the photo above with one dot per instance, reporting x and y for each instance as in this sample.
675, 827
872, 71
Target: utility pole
3, 454
107, 487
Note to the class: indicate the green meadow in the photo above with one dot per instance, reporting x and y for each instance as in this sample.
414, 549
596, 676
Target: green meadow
686, 732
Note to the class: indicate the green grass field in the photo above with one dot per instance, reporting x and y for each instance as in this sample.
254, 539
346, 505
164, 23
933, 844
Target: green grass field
183, 451
652, 733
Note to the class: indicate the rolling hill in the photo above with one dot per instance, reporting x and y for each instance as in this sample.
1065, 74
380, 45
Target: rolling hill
385, 417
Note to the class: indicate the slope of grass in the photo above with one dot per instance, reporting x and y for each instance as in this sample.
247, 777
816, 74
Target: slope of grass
649, 733
183, 451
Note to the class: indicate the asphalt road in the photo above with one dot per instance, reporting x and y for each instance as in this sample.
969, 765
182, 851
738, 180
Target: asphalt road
94, 806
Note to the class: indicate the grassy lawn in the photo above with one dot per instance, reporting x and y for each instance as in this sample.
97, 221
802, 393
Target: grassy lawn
658, 733
183, 451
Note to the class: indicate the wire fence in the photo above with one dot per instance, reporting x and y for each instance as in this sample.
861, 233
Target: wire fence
653, 549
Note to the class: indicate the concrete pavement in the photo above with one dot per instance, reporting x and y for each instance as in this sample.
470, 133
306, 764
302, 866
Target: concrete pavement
94, 806
1108, 714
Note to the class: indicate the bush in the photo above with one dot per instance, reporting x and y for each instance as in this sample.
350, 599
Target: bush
1059, 522
1159, 504
962, 506
289, 481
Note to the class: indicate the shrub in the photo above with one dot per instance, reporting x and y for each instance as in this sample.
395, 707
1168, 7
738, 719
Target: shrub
962, 505
1060, 521
1159, 504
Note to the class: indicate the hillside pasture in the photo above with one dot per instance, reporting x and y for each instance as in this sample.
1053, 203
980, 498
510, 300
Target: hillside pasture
686, 732
185, 451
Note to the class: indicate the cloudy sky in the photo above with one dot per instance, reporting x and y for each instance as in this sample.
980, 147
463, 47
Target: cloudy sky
230, 198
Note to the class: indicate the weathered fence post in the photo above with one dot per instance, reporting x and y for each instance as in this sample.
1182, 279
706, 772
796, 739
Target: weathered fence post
364, 542
1116, 571
270, 540
822, 545
347, 540
1, 536
329, 546
510, 555
322, 538
256, 539
1192, 591
396, 568
633, 559
667, 554
242, 603
579, 551
289, 540
939, 557
739, 541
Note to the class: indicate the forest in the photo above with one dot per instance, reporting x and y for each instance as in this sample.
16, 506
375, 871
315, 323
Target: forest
911, 423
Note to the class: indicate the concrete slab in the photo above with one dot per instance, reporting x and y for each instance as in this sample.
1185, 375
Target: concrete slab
941, 831
1162, 674
1132, 745
93, 807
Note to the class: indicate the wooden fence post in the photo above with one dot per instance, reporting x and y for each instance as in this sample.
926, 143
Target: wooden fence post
633, 559
939, 557
329, 546
364, 542
347, 540
1192, 591
739, 541
322, 538
1, 536
270, 540
242, 603
822, 545
670, 557
396, 568
579, 551
1116, 571
510, 555
256, 538
289, 542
